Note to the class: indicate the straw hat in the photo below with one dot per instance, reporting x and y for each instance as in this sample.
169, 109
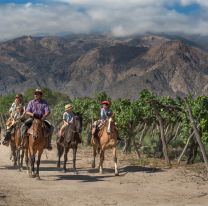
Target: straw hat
68, 106
38, 91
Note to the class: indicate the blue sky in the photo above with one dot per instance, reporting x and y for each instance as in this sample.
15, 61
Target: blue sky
187, 9
193, 7
118, 17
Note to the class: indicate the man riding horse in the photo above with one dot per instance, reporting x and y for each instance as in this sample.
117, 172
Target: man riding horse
38, 108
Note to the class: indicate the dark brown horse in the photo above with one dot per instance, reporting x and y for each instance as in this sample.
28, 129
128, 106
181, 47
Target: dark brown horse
36, 144
72, 137
107, 139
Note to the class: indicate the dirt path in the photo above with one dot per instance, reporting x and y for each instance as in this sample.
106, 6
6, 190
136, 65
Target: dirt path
136, 185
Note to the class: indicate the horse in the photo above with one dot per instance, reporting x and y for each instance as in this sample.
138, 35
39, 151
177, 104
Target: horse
107, 139
19, 152
15, 146
36, 143
72, 137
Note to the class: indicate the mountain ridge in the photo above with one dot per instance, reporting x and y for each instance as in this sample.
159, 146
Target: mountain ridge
86, 64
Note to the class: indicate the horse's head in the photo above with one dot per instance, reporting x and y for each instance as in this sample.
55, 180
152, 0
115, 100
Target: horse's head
37, 128
77, 122
110, 123
73, 131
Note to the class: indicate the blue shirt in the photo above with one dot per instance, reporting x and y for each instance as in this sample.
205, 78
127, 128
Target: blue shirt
68, 116
104, 112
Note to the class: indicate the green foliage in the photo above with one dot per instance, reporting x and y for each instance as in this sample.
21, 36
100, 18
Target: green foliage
5, 102
130, 114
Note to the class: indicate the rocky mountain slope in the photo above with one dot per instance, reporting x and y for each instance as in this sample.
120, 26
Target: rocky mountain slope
85, 64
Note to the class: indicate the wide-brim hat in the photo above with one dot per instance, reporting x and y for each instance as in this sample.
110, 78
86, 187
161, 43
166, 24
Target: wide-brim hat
38, 91
105, 102
68, 106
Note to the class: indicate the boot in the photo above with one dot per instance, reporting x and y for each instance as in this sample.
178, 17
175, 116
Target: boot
7, 138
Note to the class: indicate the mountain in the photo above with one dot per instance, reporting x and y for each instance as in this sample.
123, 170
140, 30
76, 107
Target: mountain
82, 65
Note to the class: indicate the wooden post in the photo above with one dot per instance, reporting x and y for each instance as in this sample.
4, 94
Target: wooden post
182, 153
162, 136
197, 135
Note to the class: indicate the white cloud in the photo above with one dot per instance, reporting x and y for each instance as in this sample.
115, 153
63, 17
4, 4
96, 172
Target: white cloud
84, 16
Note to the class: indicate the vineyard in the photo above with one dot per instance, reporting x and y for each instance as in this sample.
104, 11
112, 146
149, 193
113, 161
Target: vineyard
157, 126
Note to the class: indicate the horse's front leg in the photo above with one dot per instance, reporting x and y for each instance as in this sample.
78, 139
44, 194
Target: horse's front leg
74, 160
66, 150
22, 157
94, 156
18, 159
26, 159
38, 164
115, 161
13, 152
60, 151
32, 165
101, 161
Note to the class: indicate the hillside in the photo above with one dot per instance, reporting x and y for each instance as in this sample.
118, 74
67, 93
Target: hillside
85, 64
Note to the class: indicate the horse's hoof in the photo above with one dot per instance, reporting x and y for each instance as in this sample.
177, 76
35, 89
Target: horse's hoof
33, 175
37, 177
58, 165
117, 174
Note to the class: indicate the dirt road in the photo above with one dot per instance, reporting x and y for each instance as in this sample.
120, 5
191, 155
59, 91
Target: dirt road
136, 185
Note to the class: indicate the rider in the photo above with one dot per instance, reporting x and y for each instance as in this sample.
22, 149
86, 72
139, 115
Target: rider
67, 119
17, 109
105, 112
38, 108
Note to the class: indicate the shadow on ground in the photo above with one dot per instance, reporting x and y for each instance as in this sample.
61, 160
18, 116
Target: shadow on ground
82, 178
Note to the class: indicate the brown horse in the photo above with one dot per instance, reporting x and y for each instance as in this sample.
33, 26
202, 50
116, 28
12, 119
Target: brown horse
36, 144
72, 137
107, 139
19, 153
14, 144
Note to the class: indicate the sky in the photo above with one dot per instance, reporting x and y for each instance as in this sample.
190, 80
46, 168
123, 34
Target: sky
116, 17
